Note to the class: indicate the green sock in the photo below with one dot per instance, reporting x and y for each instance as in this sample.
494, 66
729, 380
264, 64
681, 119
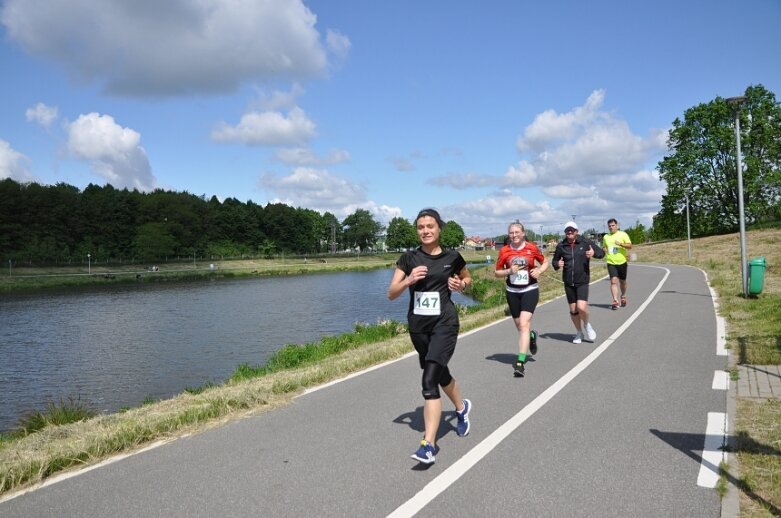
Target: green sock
522, 357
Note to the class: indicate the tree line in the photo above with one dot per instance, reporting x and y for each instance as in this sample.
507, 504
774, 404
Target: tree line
60, 224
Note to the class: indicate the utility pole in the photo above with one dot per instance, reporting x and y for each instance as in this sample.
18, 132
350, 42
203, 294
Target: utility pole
688, 228
736, 103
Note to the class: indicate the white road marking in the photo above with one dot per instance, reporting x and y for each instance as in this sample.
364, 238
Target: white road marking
80, 471
720, 380
713, 451
476, 454
721, 326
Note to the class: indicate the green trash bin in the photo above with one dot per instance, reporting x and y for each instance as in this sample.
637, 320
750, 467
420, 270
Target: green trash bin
756, 275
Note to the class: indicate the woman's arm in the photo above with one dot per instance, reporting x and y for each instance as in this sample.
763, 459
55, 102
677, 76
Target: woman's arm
539, 270
501, 273
397, 284
461, 281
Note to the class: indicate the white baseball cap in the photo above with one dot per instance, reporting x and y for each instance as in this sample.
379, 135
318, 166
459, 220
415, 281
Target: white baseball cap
570, 224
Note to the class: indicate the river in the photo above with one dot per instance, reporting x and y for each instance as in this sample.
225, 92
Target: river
114, 347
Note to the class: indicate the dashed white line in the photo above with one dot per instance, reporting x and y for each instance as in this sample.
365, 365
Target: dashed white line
713, 451
720, 380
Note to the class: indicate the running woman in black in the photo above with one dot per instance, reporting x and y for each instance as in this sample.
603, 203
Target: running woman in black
430, 274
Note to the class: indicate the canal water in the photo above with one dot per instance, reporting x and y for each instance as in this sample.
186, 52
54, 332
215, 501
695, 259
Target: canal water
114, 347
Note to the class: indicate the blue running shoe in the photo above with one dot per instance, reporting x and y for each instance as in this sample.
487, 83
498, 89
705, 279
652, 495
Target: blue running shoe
533, 342
426, 453
462, 427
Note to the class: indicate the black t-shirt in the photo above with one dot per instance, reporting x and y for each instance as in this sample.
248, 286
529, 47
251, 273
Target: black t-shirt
440, 268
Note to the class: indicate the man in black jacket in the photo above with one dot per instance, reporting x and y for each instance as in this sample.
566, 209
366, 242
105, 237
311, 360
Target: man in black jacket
573, 255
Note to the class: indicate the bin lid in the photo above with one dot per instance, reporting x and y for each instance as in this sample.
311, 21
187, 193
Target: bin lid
758, 261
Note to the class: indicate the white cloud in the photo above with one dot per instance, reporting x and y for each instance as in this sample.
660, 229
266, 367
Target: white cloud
338, 44
490, 215
13, 164
521, 175
41, 114
271, 128
320, 190
315, 189
278, 100
113, 152
305, 156
550, 127
571, 192
605, 149
174, 47
465, 181
586, 161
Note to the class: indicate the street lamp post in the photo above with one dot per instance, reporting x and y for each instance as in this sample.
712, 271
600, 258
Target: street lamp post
736, 103
688, 228
89, 265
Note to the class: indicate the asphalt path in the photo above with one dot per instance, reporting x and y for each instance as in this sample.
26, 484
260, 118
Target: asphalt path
611, 428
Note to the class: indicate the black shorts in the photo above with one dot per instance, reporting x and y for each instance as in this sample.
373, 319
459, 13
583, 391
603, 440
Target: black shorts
617, 270
576, 293
436, 346
526, 301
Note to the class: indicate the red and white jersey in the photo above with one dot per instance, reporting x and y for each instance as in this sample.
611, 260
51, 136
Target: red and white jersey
525, 257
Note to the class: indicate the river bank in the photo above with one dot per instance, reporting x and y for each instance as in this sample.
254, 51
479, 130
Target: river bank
30, 277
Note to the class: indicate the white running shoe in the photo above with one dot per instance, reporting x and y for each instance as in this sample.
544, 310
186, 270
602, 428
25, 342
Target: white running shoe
578, 338
590, 333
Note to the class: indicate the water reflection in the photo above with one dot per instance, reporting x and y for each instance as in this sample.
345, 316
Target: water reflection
114, 348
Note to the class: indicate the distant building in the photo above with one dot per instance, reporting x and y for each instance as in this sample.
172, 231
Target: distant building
478, 243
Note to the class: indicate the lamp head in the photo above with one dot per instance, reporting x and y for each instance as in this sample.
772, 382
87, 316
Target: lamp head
736, 100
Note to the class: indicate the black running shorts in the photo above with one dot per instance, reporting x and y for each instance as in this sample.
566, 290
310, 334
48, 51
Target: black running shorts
576, 293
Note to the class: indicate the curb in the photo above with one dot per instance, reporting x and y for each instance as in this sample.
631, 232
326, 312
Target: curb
730, 503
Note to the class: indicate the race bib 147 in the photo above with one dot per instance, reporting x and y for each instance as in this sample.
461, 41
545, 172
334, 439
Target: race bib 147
426, 303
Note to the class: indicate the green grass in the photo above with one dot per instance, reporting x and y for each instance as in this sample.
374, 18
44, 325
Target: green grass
292, 356
758, 448
67, 411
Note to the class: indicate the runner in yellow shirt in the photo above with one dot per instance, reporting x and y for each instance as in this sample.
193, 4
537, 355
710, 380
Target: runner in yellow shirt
616, 243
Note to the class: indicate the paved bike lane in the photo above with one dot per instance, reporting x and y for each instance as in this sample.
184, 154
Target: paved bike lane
622, 437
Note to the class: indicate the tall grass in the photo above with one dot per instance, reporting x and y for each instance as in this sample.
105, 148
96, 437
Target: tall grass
292, 356
67, 411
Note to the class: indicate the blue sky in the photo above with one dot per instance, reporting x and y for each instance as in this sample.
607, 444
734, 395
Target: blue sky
490, 111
